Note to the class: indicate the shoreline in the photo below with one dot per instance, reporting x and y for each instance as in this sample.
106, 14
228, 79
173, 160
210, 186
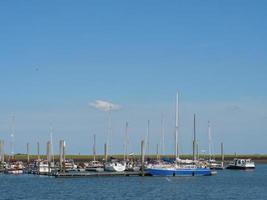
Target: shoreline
258, 158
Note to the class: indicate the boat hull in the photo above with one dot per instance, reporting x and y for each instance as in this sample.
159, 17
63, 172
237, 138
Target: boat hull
179, 172
239, 167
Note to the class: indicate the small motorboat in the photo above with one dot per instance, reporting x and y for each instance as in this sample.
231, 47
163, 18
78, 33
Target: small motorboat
241, 164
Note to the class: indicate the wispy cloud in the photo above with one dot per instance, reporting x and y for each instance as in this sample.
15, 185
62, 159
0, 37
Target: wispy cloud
234, 108
105, 105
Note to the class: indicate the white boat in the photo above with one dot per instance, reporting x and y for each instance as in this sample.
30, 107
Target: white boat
15, 168
213, 164
115, 166
70, 166
241, 164
95, 166
43, 167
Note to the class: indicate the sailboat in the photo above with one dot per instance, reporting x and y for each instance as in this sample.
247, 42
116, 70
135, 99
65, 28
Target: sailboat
178, 168
115, 166
211, 162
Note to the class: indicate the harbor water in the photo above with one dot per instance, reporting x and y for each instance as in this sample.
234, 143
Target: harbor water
227, 184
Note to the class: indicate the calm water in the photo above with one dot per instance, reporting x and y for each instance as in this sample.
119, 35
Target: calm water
226, 185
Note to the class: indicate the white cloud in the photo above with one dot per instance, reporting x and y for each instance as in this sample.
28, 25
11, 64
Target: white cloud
104, 105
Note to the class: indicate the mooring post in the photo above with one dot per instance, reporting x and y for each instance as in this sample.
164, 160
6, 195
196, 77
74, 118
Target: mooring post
106, 152
1, 150
142, 158
48, 153
61, 155
222, 154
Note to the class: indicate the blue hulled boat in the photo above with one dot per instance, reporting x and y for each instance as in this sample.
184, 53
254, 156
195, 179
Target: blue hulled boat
173, 171
180, 168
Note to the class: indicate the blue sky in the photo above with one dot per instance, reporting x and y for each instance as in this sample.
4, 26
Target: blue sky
58, 56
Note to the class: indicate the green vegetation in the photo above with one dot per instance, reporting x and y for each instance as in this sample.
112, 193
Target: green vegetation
255, 157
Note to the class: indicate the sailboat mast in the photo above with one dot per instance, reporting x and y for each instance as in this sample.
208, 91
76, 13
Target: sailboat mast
177, 126
51, 143
209, 132
148, 133
109, 132
12, 136
194, 139
126, 142
162, 135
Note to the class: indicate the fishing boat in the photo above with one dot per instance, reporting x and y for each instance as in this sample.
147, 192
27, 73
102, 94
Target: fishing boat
241, 164
179, 168
115, 166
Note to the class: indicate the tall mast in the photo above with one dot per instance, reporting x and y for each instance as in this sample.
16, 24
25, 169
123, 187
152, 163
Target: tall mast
12, 135
162, 135
209, 132
148, 132
177, 126
109, 131
126, 142
194, 139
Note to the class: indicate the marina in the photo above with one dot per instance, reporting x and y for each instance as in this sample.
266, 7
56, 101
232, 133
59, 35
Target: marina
133, 100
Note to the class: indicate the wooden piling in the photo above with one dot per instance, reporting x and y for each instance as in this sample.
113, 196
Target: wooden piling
106, 152
61, 149
222, 154
28, 153
49, 156
2, 153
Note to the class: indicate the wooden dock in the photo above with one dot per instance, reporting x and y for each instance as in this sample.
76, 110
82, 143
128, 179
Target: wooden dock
96, 174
